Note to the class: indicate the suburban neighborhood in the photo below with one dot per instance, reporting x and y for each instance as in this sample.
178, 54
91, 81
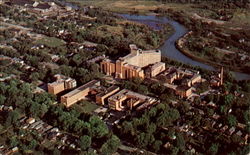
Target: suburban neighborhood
77, 78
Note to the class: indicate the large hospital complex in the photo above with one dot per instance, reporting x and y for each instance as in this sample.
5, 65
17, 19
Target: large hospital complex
139, 63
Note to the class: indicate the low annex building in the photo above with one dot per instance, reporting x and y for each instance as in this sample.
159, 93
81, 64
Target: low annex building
100, 98
183, 91
186, 78
111, 96
128, 100
62, 83
78, 93
93, 90
155, 69
133, 64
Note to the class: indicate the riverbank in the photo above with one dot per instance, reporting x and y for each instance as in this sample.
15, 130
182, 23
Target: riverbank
188, 53
175, 12
220, 43
169, 48
179, 45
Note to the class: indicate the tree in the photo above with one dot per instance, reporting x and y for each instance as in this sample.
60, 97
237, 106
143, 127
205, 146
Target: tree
152, 112
246, 116
81, 72
151, 128
98, 127
157, 145
85, 142
3, 88
89, 152
227, 86
223, 109
174, 150
197, 100
94, 67
77, 59
33, 60
144, 139
79, 126
184, 107
13, 141
174, 114
196, 120
214, 148
228, 99
110, 146
180, 142
56, 152
210, 111
142, 89
245, 150
162, 120
246, 87
171, 133
38, 110
2, 99
63, 61
66, 70
32, 144
127, 128
231, 120
209, 97
12, 118
34, 76
102, 48
236, 139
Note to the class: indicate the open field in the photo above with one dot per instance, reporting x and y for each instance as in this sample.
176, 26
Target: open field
50, 41
130, 6
240, 16
214, 28
85, 107
107, 29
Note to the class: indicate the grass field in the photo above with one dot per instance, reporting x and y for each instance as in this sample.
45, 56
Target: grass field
231, 26
128, 6
85, 107
50, 41
240, 17
107, 29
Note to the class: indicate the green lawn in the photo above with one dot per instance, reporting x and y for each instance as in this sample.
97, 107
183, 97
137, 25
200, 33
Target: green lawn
50, 41
123, 6
85, 107
48, 144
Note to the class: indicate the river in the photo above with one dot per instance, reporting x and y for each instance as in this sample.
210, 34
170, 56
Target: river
168, 48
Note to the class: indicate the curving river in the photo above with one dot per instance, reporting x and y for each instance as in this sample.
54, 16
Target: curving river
169, 48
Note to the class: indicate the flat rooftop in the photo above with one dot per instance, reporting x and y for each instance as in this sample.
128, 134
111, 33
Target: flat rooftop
81, 88
132, 66
131, 94
108, 90
56, 83
155, 65
131, 55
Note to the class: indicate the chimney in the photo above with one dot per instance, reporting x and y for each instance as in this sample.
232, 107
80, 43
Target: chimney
221, 76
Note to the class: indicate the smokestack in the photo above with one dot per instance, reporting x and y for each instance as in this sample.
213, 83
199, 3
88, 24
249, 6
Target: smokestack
221, 76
